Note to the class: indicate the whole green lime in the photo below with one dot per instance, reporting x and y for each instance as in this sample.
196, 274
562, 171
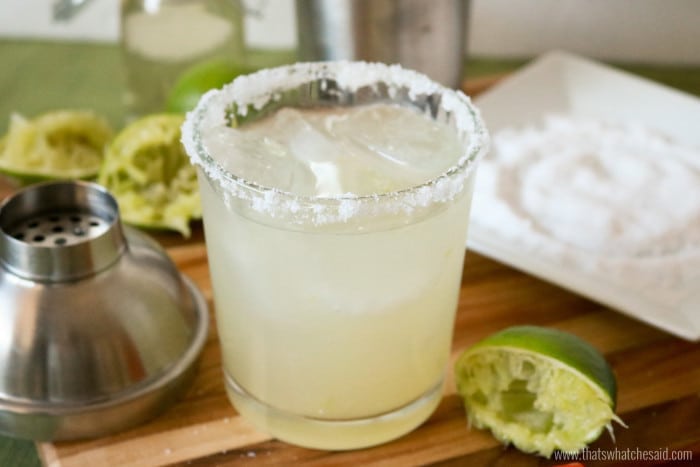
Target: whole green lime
200, 78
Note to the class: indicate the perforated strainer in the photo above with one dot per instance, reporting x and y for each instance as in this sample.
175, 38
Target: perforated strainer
98, 329
60, 229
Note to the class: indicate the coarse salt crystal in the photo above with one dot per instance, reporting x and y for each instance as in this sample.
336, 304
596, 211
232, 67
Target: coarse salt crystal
606, 196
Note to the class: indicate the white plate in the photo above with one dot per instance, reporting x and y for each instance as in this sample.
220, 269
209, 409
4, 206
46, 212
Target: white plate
559, 82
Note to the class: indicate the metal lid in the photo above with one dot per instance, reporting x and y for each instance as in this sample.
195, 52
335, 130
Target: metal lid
100, 330
60, 231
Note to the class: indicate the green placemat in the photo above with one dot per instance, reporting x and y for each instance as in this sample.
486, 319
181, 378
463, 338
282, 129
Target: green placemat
684, 78
18, 453
37, 76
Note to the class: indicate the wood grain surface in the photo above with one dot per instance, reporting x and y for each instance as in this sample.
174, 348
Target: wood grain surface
658, 378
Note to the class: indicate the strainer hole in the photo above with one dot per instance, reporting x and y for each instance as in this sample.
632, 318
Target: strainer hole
57, 229
60, 241
75, 218
78, 231
19, 235
39, 238
33, 224
94, 223
54, 218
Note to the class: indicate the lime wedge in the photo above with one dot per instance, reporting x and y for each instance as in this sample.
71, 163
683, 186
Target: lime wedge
62, 144
199, 79
538, 388
149, 174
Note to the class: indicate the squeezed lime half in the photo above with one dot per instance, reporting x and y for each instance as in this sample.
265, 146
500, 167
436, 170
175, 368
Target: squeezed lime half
61, 144
537, 388
149, 174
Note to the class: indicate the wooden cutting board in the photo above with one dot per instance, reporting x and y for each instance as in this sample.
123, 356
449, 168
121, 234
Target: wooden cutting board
658, 377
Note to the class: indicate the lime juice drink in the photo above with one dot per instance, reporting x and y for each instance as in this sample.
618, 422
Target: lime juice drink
336, 200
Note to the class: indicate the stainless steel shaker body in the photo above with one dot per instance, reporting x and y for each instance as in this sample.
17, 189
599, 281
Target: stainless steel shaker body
426, 35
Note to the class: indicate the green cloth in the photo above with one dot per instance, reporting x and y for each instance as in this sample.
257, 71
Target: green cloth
683, 78
37, 76
17, 453
40, 76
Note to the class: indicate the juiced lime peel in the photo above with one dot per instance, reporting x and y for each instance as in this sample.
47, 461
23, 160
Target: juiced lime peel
540, 389
150, 175
61, 144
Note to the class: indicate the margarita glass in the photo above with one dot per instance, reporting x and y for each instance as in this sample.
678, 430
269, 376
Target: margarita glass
335, 311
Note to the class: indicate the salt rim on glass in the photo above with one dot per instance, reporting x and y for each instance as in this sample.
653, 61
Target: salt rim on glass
267, 86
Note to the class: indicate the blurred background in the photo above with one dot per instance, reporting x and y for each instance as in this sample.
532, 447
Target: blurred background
129, 58
641, 31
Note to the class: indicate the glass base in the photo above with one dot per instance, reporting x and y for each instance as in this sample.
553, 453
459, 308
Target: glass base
317, 433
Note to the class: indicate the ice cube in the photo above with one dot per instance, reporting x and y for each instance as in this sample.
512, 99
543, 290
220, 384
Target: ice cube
401, 138
308, 142
334, 151
258, 159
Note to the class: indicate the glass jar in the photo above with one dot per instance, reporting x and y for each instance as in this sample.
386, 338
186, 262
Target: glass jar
162, 39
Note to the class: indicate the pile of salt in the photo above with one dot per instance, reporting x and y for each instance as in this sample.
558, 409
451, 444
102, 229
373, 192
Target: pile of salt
614, 199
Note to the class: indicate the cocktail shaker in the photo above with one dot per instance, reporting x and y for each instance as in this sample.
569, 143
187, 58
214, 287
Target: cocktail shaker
98, 330
427, 36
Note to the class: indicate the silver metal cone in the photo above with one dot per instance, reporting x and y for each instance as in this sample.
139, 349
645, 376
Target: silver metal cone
98, 329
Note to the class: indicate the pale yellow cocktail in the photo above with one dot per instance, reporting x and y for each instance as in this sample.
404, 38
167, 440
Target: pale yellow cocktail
336, 238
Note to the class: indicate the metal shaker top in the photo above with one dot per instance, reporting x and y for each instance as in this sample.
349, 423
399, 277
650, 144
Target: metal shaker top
98, 329
60, 231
